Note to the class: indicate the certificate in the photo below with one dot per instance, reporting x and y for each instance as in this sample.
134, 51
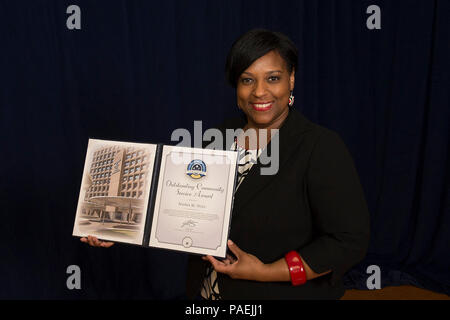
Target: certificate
155, 195
193, 202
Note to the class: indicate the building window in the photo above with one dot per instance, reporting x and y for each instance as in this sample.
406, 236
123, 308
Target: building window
134, 154
128, 156
126, 171
130, 178
124, 178
134, 185
139, 160
122, 194
134, 193
137, 168
127, 164
136, 177
140, 194
128, 194
131, 170
129, 186
124, 186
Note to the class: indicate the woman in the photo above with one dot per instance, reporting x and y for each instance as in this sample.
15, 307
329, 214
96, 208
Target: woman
297, 232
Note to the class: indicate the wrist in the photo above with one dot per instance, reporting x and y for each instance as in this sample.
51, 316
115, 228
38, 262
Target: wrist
263, 272
277, 271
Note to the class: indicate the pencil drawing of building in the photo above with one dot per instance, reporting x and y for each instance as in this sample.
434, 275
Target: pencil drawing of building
117, 180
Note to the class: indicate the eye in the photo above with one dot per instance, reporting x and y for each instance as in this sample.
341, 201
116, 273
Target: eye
246, 80
274, 78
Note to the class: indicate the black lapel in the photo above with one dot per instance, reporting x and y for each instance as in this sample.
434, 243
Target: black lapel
289, 138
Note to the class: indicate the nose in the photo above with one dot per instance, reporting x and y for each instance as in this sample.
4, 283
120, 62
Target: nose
260, 89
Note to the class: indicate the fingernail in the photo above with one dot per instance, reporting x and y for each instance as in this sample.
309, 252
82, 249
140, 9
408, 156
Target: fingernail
230, 242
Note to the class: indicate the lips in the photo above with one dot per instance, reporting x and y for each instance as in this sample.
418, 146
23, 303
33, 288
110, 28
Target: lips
261, 106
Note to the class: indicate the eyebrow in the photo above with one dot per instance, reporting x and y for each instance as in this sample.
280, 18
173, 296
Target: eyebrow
268, 72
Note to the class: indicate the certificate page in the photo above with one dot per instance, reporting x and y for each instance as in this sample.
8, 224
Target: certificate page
194, 200
115, 190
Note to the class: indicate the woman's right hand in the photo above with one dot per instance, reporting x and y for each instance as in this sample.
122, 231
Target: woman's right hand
94, 242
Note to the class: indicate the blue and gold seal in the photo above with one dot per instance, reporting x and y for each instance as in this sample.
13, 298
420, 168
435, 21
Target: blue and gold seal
196, 169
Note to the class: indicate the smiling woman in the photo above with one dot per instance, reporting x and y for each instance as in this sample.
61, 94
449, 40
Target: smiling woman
296, 233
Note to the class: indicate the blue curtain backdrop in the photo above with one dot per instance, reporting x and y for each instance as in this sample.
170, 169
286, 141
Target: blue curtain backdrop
137, 70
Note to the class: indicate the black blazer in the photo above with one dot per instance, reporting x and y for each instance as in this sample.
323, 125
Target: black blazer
314, 204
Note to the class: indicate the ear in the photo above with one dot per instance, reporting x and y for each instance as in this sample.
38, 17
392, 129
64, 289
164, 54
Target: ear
292, 80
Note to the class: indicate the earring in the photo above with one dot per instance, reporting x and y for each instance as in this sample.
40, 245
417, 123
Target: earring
291, 100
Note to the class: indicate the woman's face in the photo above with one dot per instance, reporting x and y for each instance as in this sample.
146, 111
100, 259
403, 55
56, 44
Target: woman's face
263, 91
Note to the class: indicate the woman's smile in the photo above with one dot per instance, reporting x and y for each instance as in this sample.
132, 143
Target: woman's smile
262, 106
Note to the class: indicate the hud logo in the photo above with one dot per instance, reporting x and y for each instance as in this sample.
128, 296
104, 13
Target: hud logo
196, 169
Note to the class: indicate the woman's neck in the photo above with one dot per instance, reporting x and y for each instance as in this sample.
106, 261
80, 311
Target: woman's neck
258, 137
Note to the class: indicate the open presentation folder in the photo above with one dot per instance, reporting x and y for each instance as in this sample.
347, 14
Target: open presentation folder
157, 195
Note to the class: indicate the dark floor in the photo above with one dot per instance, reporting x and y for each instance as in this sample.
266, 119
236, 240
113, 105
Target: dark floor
394, 293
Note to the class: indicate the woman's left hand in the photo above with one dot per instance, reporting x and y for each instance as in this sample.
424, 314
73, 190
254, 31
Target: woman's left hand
247, 266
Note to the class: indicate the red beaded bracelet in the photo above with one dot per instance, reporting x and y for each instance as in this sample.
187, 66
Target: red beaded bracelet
296, 269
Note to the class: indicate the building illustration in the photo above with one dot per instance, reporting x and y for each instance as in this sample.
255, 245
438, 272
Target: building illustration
116, 184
